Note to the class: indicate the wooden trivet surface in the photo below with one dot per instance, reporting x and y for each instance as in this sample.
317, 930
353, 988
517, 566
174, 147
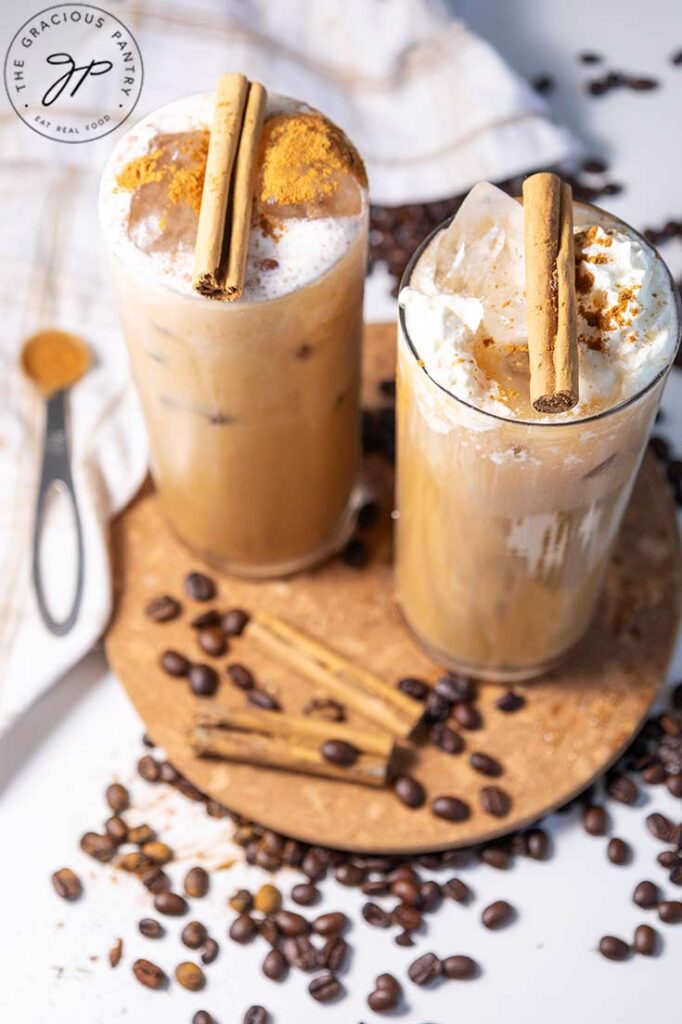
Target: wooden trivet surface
575, 723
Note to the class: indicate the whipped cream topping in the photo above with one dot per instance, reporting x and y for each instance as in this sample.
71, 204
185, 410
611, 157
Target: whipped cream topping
627, 318
303, 250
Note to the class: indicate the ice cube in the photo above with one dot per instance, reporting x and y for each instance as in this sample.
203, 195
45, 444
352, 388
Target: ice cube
481, 254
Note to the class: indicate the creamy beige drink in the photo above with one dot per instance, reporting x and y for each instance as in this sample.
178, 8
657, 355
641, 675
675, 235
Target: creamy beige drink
252, 405
507, 517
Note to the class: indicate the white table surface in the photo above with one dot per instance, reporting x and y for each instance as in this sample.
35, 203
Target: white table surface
57, 761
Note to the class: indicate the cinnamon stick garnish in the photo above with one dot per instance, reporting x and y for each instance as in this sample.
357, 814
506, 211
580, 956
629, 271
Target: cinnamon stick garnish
292, 743
227, 196
389, 707
550, 293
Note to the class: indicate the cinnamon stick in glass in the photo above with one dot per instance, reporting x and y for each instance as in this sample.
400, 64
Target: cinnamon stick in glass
227, 197
292, 743
550, 293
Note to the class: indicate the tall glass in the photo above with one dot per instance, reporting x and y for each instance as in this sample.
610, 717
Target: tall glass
252, 410
506, 526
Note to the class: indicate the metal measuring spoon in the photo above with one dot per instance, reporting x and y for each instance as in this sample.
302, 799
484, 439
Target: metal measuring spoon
54, 361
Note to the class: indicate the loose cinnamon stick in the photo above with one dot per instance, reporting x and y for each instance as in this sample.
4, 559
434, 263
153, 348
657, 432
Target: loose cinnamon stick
391, 709
290, 742
227, 196
550, 293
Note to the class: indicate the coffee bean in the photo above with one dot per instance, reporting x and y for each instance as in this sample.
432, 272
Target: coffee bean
240, 676
325, 708
646, 895
203, 680
675, 875
334, 953
256, 1015
262, 699
456, 889
194, 934
291, 924
210, 951
622, 789
141, 834
118, 798
386, 995
451, 808
149, 975
495, 856
269, 931
376, 887
324, 987
242, 929
510, 702
437, 708
67, 884
339, 752
455, 688
268, 899
430, 896
162, 608
300, 953
196, 882
468, 716
190, 976
202, 1017
668, 858
330, 924
99, 847
415, 688
212, 641
407, 891
151, 928
654, 774
355, 554
241, 901
305, 894
206, 620
618, 851
409, 791
376, 915
170, 903
199, 587
116, 953
148, 768
174, 664
495, 801
613, 948
662, 828
425, 969
235, 621
116, 828
155, 879
594, 820
158, 852
670, 911
460, 968
404, 939
133, 862
497, 914
350, 874
645, 940
446, 739
274, 965
485, 764
538, 843
407, 917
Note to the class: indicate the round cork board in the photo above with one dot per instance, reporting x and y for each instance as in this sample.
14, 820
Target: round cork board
576, 720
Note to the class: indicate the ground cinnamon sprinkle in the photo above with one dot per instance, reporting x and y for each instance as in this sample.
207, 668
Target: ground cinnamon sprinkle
184, 181
301, 153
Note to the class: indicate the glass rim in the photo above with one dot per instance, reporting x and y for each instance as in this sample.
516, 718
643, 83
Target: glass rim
631, 400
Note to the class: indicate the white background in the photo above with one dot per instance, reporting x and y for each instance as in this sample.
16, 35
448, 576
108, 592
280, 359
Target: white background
57, 761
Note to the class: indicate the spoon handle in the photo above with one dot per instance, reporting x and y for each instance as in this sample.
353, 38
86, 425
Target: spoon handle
56, 470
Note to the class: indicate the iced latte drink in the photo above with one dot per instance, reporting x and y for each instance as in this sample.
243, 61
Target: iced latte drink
252, 405
507, 517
